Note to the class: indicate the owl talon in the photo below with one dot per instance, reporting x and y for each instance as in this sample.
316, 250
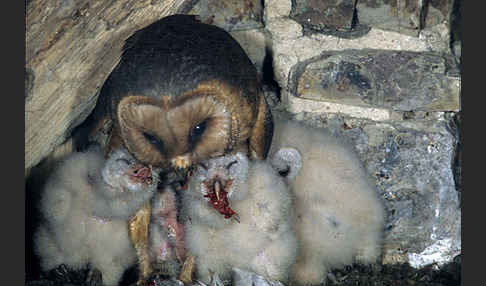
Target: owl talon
187, 270
162, 280
94, 278
61, 270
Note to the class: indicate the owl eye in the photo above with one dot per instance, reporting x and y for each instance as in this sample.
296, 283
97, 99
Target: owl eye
203, 166
154, 141
125, 161
196, 132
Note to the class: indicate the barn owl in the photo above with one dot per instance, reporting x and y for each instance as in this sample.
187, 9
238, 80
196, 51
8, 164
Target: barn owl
183, 92
237, 214
86, 204
339, 217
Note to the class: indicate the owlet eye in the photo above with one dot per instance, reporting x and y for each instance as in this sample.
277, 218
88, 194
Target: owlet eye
154, 141
196, 132
231, 164
285, 172
125, 161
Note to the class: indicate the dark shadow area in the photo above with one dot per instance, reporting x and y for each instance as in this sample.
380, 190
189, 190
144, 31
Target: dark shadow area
397, 275
456, 30
268, 78
33, 186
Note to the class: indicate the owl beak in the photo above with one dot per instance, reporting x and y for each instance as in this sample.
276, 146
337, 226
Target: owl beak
182, 161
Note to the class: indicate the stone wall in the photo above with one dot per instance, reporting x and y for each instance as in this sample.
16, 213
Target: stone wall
71, 47
385, 76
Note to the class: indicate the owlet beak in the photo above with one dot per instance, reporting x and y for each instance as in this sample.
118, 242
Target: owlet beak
141, 173
217, 189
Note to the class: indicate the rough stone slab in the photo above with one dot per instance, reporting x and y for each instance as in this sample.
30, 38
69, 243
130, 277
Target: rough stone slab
298, 105
71, 47
411, 162
230, 14
324, 15
402, 16
437, 38
254, 43
438, 11
276, 9
456, 28
289, 46
394, 80
409, 18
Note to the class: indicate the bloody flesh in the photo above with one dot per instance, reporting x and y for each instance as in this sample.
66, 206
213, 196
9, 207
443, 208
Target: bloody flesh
220, 204
142, 174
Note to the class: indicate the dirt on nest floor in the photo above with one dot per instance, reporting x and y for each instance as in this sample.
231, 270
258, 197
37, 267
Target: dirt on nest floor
397, 274
374, 275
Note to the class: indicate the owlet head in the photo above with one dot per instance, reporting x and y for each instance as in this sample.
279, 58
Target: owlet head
287, 162
221, 181
122, 171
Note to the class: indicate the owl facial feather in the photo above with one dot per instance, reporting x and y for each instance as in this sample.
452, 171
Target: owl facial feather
186, 129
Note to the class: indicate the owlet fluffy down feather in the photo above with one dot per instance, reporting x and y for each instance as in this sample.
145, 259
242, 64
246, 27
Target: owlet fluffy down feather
86, 205
339, 217
183, 92
236, 214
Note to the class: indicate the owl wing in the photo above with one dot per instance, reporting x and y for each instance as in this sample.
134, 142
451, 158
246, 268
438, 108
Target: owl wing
262, 133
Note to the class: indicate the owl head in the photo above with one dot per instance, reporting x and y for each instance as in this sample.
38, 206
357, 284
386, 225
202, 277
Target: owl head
177, 132
184, 92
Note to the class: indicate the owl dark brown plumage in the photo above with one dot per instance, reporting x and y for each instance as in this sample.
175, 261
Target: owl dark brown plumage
186, 91
183, 92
